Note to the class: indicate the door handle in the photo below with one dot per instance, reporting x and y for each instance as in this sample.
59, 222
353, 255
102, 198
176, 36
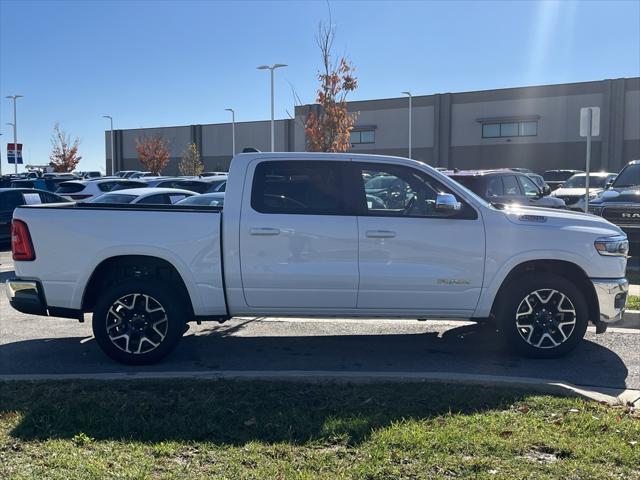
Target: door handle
264, 231
380, 234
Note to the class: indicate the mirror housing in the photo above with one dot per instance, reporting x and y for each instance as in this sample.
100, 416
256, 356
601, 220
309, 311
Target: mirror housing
445, 202
608, 185
546, 190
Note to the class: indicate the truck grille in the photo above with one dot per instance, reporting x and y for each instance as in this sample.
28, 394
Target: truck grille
623, 216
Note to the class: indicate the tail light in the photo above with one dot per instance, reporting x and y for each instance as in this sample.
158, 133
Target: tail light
21, 245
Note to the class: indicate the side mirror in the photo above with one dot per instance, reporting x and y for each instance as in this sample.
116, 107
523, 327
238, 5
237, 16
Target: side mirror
608, 185
546, 190
445, 202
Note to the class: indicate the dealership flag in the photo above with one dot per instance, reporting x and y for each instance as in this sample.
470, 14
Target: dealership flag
12, 152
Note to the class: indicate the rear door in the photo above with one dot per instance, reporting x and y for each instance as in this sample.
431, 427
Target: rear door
412, 256
298, 242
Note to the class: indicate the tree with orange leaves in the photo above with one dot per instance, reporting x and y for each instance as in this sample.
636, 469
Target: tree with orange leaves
328, 127
153, 153
64, 154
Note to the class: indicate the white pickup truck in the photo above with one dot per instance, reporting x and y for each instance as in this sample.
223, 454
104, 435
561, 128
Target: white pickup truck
306, 234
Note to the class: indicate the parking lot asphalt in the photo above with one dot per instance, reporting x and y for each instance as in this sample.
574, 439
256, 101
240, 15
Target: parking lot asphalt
39, 345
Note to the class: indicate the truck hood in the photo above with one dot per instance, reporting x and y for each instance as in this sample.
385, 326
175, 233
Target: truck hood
565, 219
573, 192
623, 195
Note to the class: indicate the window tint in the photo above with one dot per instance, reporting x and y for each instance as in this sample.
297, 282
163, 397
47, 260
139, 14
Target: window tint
158, 199
113, 198
628, 177
312, 188
193, 185
10, 200
70, 187
106, 186
529, 188
494, 187
50, 198
510, 185
398, 191
510, 129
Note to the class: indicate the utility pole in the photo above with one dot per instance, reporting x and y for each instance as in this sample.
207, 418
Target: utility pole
15, 130
410, 115
113, 150
272, 68
233, 130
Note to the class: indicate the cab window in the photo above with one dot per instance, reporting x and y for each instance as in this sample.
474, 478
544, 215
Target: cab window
399, 191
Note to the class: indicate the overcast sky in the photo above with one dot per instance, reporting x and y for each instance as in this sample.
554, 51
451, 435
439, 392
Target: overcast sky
160, 63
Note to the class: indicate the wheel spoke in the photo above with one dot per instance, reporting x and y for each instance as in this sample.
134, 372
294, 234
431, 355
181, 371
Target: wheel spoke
545, 318
137, 323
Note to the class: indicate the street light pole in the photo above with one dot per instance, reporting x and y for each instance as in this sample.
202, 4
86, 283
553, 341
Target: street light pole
15, 130
410, 101
272, 68
233, 129
113, 151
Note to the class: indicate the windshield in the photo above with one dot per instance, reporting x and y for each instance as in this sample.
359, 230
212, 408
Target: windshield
579, 181
556, 175
113, 198
629, 176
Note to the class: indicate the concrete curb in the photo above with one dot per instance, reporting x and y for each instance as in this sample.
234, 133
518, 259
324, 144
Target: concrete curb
611, 396
630, 319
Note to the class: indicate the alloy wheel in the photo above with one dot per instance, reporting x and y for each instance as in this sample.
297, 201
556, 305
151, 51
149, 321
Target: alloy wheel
546, 318
137, 323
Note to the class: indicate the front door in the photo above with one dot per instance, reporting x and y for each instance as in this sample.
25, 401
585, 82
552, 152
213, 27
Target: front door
412, 256
298, 244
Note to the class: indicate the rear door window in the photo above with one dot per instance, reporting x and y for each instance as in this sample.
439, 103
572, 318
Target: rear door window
31, 198
295, 187
157, 199
10, 200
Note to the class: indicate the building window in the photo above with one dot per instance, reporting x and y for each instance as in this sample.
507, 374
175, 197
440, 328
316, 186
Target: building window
510, 129
362, 136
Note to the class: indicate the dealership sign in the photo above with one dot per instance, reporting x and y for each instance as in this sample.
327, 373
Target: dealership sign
13, 152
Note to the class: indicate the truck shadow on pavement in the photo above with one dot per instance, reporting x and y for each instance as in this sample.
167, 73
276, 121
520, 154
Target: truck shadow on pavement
468, 349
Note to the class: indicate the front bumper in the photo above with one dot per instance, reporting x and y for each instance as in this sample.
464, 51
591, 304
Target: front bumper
26, 296
612, 298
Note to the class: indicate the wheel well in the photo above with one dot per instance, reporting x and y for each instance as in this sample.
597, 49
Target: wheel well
568, 270
116, 269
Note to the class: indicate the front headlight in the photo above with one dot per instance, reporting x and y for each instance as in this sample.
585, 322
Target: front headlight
617, 246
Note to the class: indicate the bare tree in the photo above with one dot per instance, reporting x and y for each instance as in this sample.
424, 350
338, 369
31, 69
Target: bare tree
191, 164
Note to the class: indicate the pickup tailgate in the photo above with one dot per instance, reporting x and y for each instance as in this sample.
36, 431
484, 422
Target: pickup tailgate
71, 241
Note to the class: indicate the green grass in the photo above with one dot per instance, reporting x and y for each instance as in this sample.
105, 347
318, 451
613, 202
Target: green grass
633, 302
270, 430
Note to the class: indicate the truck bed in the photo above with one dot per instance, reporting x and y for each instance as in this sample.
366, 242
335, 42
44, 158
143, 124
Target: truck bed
71, 241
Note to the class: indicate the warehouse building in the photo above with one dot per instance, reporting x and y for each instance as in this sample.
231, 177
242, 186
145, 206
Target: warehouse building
535, 127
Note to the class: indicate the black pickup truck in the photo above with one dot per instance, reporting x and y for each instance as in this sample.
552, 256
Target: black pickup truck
620, 204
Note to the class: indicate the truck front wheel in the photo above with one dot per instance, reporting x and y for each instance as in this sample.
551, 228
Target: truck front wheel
542, 315
138, 322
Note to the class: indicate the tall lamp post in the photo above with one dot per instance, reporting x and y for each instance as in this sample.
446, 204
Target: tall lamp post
233, 129
271, 69
410, 99
113, 150
15, 130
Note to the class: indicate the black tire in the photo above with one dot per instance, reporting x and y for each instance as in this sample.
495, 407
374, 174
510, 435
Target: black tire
119, 331
529, 318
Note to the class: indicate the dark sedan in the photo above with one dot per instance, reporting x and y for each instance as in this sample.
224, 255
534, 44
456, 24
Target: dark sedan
10, 198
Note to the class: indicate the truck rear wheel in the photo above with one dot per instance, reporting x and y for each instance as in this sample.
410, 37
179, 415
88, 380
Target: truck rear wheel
138, 322
542, 315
